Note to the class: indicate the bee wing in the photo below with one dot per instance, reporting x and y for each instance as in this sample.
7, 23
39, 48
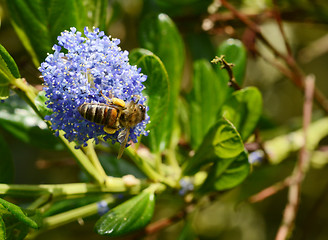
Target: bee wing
123, 137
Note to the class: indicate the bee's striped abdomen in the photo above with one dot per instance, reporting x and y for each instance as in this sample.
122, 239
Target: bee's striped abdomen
99, 113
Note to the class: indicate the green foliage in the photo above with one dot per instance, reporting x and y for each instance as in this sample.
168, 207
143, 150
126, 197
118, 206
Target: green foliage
199, 129
18, 213
159, 34
38, 23
15, 222
222, 141
235, 53
40, 104
244, 110
157, 90
227, 173
205, 100
8, 71
128, 216
21, 121
8, 62
157, 87
2, 229
187, 232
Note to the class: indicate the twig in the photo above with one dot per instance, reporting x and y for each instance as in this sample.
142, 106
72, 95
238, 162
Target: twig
290, 211
228, 67
283, 34
233, 83
267, 192
163, 223
297, 75
253, 26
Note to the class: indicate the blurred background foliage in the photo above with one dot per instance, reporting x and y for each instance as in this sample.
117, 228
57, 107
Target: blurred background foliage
204, 25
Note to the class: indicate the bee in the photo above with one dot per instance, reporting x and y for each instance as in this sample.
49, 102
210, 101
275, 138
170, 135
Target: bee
114, 115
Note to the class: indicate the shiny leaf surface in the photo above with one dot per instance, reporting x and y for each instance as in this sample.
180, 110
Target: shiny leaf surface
222, 141
128, 216
227, 173
244, 109
205, 100
157, 89
159, 34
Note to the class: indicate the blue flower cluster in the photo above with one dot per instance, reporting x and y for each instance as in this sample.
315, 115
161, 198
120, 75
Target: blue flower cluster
79, 70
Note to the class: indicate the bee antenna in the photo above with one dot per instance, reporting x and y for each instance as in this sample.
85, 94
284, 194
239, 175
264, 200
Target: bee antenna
137, 98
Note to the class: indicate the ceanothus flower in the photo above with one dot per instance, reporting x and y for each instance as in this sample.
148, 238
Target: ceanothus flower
79, 70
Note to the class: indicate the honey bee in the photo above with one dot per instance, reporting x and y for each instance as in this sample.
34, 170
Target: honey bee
114, 115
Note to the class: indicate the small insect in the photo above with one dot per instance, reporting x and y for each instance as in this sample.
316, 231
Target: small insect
114, 115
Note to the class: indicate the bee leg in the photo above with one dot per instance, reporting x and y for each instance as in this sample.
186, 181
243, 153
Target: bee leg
114, 101
118, 102
107, 99
110, 130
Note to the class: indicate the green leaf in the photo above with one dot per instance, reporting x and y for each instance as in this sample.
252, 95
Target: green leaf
227, 173
7, 165
2, 229
4, 92
187, 232
128, 216
157, 89
18, 213
15, 228
8, 72
200, 46
243, 109
63, 14
21, 121
205, 100
40, 104
4, 75
38, 22
159, 34
222, 141
9, 61
30, 22
97, 13
234, 52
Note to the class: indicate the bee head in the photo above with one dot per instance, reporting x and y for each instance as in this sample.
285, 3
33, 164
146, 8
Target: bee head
142, 111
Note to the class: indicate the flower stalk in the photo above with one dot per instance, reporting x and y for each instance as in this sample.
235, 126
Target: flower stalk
114, 185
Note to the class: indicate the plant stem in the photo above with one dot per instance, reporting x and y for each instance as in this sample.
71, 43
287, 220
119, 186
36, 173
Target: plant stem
29, 94
148, 170
74, 214
56, 190
171, 155
40, 201
91, 154
300, 169
82, 160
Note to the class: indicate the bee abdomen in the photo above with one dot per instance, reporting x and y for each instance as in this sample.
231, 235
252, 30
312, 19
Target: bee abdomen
98, 113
